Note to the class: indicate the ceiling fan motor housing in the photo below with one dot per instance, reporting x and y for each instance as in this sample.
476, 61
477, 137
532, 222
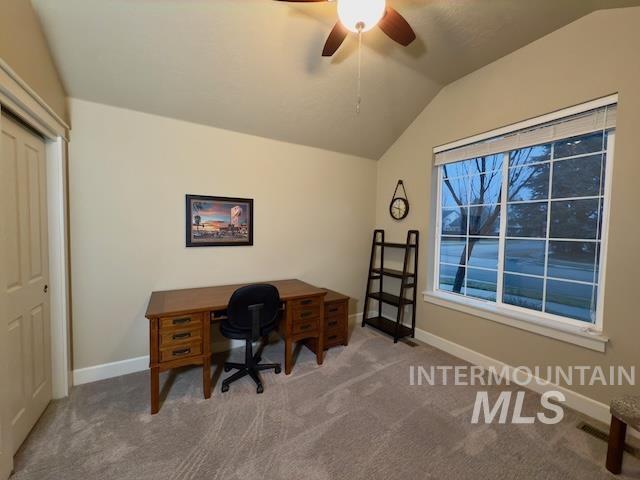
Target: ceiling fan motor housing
359, 15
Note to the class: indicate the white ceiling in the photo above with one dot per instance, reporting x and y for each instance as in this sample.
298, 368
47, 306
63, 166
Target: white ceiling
254, 66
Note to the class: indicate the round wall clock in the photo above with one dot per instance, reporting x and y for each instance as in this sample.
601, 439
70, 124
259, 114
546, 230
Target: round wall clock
399, 206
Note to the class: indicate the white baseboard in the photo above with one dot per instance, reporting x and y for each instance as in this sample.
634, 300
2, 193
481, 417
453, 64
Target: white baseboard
139, 364
355, 318
132, 365
110, 370
585, 405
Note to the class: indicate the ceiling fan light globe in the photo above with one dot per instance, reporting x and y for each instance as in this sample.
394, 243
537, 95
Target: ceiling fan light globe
353, 14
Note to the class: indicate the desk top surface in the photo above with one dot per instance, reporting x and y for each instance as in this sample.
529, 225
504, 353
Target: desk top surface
178, 302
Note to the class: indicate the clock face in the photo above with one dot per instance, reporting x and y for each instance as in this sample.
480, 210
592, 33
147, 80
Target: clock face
399, 208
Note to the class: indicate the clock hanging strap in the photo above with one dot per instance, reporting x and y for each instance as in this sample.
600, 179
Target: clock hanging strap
400, 183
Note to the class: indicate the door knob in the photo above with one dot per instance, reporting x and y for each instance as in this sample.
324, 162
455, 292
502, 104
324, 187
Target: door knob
46, 288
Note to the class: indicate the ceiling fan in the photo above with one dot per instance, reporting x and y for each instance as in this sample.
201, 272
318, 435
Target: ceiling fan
359, 16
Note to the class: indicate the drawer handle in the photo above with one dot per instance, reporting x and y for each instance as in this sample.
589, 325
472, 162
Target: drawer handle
305, 327
306, 314
179, 353
178, 336
181, 321
334, 309
306, 302
331, 324
332, 337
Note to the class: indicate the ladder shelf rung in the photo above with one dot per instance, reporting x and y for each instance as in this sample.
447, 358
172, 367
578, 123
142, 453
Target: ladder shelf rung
396, 245
388, 326
390, 272
390, 299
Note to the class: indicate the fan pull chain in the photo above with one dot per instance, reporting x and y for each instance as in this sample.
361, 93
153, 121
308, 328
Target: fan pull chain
359, 97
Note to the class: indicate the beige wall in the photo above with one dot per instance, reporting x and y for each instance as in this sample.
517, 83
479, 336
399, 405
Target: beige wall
593, 57
24, 48
129, 173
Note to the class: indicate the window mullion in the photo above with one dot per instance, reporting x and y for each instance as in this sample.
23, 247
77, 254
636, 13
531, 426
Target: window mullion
436, 269
503, 226
547, 233
604, 228
466, 261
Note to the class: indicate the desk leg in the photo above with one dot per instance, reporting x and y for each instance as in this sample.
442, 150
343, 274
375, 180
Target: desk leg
320, 349
155, 390
154, 357
206, 359
206, 377
288, 356
320, 339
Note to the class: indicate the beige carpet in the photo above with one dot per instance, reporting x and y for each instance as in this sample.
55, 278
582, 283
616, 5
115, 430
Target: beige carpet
354, 418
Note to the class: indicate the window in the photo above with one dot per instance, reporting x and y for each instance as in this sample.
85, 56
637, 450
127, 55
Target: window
524, 228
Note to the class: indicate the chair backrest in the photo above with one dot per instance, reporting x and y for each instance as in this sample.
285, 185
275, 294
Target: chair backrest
239, 314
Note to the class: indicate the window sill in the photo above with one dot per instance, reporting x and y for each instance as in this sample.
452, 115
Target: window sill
566, 333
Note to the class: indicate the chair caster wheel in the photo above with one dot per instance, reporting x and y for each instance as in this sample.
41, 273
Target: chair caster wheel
260, 389
227, 369
225, 388
277, 370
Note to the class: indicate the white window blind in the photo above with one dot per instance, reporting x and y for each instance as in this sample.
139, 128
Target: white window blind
597, 119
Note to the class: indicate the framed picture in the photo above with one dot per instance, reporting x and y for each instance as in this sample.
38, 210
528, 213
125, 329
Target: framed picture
219, 221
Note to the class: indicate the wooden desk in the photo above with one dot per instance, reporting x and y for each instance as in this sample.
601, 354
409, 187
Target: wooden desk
180, 331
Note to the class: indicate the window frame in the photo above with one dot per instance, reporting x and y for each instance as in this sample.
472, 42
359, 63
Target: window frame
513, 311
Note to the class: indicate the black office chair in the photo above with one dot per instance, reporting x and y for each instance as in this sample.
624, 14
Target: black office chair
253, 312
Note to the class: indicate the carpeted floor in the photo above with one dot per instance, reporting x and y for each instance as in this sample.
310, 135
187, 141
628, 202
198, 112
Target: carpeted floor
354, 418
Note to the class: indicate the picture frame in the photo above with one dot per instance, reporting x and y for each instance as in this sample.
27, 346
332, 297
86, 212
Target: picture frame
218, 221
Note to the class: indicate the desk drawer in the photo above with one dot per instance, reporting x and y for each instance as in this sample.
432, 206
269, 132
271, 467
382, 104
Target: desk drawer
180, 322
334, 339
306, 302
175, 336
305, 326
304, 314
335, 324
333, 310
175, 352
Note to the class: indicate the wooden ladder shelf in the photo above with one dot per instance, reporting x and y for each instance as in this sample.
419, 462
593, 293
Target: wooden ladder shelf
408, 281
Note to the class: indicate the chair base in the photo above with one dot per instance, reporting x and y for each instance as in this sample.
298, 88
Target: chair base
251, 367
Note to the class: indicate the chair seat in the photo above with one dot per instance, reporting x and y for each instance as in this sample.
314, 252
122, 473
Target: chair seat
627, 409
228, 331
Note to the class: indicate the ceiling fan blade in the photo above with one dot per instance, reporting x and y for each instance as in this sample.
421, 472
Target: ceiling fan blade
334, 40
397, 28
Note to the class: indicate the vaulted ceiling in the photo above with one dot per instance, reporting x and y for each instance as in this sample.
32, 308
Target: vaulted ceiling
254, 66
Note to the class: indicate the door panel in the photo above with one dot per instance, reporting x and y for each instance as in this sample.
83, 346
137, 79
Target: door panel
40, 363
34, 159
26, 324
16, 367
12, 238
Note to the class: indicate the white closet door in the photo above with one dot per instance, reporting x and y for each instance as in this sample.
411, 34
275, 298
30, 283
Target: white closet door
26, 323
